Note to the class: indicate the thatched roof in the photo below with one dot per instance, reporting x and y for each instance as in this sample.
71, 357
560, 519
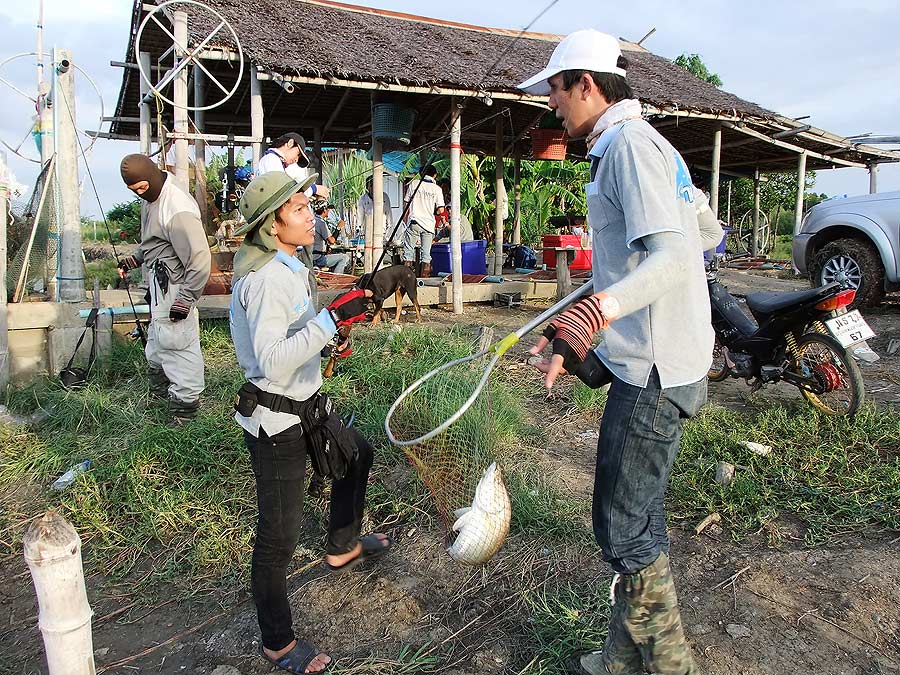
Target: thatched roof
340, 53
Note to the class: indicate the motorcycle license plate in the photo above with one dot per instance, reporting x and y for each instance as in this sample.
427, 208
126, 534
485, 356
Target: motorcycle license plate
849, 328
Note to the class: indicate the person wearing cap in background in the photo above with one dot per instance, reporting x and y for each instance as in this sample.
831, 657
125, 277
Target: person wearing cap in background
651, 300
278, 336
427, 203
175, 252
465, 227
288, 153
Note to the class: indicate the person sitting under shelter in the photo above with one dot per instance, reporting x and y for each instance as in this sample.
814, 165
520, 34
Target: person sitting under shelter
324, 238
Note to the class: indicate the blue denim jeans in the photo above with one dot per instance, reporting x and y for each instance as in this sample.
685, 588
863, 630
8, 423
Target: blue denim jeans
416, 233
640, 435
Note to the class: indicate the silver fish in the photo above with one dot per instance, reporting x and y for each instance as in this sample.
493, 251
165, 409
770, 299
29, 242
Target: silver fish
483, 526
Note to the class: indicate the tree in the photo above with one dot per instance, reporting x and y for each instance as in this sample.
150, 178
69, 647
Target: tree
777, 195
127, 217
694, 64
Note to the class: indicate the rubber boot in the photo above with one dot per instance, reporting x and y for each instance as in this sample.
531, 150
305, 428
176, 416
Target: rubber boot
619, 656
158, 383
182, 411
653, 621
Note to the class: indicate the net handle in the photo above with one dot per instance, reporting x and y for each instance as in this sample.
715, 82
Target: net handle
499, 349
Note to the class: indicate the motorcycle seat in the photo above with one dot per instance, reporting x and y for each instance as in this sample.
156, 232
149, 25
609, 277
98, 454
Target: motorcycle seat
768, 303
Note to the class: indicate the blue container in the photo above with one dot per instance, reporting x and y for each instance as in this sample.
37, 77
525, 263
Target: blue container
473, 257
720, 249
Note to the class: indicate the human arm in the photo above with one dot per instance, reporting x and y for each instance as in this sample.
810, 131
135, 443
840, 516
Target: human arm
711, 231
269, 304
188, 239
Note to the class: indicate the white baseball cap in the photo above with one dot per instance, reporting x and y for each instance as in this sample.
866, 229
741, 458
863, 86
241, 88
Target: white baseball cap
588, 50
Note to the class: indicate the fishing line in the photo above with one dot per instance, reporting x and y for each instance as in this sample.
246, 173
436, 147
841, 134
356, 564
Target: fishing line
90, 174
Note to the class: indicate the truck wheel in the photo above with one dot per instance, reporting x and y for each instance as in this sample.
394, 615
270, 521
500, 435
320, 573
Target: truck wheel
853, 263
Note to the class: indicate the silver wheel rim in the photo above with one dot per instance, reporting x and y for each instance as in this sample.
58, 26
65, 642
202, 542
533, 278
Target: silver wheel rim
842, 269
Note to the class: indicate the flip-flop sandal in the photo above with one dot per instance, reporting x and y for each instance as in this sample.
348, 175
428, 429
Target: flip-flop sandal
296, 660
373, 548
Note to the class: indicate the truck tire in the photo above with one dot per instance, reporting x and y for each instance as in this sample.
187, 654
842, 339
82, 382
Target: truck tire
855, 263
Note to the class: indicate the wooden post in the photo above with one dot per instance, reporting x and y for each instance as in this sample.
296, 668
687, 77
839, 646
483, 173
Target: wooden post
716, 164
53, 553
4, 222
873, 178
517, 215
728, 208
455, 204
341, 187
317, 151
180, 98
498, 203
801, 191
256, 116
754, 239
563, 275
375, 244
70, 287
145, 128
200, 145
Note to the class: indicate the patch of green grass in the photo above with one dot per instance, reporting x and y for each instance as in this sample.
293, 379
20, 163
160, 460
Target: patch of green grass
540, 509
586, 399
563, 619
782, 248
832, 473
105, 270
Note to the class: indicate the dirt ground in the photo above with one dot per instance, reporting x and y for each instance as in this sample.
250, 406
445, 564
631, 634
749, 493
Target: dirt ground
748, 608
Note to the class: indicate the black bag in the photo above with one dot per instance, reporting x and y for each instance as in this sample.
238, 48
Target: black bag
331, 445
593, 372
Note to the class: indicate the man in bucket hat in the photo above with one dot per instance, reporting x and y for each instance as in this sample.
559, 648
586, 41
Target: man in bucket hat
651, 301
278, 336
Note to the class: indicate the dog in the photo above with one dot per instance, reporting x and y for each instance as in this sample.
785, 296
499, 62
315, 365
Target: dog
396, 279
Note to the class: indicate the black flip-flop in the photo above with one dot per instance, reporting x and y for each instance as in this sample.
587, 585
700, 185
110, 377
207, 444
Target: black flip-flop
373, 548
296, 660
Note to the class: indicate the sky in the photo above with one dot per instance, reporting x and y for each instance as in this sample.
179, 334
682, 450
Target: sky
837, 61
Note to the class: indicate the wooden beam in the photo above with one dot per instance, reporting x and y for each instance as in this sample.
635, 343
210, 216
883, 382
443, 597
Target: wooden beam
789, 146
336, 112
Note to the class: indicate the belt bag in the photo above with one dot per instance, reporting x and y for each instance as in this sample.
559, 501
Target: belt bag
331, 445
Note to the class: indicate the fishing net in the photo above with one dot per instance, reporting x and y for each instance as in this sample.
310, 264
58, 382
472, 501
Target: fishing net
454, 463
32, 238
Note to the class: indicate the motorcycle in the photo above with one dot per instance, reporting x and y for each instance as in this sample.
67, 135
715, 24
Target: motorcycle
801, 338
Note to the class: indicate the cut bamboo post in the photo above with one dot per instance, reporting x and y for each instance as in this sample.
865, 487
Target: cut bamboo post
53, 554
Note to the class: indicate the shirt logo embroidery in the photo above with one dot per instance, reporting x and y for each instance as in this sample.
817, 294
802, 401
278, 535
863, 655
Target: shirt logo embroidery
683, 182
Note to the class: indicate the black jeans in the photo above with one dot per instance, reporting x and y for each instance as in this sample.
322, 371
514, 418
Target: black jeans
279, 465
640, 435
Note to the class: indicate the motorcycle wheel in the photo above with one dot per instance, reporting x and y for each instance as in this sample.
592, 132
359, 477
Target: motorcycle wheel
719, 369
822, 357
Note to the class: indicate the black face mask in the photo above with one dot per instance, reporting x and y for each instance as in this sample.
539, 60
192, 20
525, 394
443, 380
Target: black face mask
136, 168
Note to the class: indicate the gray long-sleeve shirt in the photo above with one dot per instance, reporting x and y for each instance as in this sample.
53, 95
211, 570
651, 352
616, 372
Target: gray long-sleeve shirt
278, 337
173, 233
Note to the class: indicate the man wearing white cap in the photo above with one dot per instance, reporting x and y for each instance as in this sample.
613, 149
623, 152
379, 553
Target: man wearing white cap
651, 301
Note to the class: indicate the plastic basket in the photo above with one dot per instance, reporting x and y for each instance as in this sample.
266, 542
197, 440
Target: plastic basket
548, 143
392, 124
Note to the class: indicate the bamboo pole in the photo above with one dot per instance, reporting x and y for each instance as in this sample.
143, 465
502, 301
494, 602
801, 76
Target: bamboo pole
180, 98
455, 204
256, 115
716, 166
754, 239
517, 217
375, 244
200, 145
53, 553
801, 191
4, 323
498, 201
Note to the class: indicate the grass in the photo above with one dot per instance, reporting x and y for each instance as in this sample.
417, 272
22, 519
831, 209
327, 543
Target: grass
833, 474
782, 248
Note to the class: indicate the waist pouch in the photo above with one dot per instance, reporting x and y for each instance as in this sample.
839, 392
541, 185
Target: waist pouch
593, 372
331, 445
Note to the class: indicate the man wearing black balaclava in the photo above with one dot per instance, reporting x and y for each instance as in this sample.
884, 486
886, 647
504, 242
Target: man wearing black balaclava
176, 255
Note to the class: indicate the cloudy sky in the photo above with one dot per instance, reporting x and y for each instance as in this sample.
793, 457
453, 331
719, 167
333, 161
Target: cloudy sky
837, 61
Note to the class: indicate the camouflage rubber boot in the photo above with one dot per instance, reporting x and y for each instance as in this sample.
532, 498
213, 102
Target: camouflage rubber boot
159, 383
182, 412
653, 621
619, 656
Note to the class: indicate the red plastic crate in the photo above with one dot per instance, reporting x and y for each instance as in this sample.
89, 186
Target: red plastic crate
582, 255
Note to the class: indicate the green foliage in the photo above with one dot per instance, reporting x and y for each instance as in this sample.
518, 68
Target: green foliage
357, 168
693, 63
215, 167
126, 218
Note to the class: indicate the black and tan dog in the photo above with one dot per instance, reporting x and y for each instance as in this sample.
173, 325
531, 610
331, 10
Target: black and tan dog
396, 279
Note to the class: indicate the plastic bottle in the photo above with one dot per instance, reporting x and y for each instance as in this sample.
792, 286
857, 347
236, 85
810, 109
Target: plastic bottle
69, 476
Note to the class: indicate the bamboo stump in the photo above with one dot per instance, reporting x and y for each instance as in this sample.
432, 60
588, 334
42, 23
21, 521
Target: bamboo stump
564, 257
53, 554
